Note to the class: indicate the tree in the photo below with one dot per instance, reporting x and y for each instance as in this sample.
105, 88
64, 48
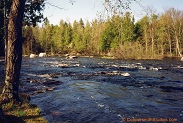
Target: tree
128, 28
161, 40
78, 39
1, 28
14, 52
165, 20
87, 36
33, 12
32, 15
153, 30
30, 44
96, 31
143, 25
107, 37
176, 18
13, 58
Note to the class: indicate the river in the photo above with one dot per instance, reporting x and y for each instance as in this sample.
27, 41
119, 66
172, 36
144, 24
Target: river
95, 90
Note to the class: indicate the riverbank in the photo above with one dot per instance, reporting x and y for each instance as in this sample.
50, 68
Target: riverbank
21, 113
24, 113
142, 57
113, 56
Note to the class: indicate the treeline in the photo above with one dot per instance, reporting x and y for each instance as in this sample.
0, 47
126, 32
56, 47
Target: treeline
153, 36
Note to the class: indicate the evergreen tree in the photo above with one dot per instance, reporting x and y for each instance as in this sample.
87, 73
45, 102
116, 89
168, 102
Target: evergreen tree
128, 28
107, 36
78, 41
67, 36
87, 36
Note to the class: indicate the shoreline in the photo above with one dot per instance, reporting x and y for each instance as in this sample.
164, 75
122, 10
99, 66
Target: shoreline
113, 57
26, 112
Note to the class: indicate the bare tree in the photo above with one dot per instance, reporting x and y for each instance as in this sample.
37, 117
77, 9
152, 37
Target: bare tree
175, 26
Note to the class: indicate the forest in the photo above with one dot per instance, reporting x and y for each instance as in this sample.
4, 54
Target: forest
154, 36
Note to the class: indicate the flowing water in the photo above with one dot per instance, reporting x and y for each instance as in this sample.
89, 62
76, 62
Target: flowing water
95, 90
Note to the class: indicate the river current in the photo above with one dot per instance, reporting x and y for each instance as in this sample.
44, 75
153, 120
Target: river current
95, 90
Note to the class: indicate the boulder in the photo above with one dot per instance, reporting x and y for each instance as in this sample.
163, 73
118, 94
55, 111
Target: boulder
42, 54
33, 56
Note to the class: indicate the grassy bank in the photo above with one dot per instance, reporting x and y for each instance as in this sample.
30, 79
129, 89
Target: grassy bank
24, 113
21, 113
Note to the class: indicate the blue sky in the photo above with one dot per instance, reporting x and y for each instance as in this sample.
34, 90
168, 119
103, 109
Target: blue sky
88, 9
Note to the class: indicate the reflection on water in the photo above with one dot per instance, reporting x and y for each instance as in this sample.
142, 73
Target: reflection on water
95, 90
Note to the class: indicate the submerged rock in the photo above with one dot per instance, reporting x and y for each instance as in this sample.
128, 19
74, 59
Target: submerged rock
52, 82
50, 89
33, 81
114, 73
40, 91
171, 89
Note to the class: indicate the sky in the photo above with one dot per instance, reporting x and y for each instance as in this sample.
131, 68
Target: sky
89, 9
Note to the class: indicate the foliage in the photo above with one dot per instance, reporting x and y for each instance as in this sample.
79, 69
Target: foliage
33, 12
32, 15
153, 36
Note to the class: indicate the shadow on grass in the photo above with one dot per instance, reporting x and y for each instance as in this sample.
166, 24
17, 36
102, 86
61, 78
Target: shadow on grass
12, 119
36, 118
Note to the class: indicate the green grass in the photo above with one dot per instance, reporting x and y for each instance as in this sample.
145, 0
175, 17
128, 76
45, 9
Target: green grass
22, 113
26, 113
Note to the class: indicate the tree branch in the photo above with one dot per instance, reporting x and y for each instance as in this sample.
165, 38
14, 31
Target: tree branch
54, 5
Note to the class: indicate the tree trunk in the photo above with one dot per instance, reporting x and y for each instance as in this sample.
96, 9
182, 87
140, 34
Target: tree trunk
170, 42
146, 40
152, 40
14, 52
177, 46
5, 30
